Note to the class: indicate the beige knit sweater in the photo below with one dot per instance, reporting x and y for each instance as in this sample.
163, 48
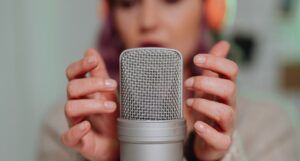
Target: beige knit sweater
264, 132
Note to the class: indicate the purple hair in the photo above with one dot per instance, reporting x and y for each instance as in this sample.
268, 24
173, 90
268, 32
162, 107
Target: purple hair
110, 45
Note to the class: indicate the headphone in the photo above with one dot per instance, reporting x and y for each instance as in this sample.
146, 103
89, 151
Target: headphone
219, 14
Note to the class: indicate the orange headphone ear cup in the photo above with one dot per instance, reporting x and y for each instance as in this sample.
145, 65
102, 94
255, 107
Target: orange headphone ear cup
215, 12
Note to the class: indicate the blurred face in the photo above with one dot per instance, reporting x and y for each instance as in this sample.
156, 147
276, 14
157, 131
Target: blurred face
159, 23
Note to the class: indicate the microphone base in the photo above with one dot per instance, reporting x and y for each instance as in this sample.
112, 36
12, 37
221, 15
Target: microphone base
151, 140
152, 152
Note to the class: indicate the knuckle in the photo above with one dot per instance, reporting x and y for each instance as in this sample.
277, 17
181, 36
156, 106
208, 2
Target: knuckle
226, 116
92, 81
225, 145
98, 82
211, 60
222, 119
234, 69
100, 96
96, 103
89, 52
64, 138
231, 89
68, 109
198, 102
83, 64
71, 89
199, 82
230, 114
67, 72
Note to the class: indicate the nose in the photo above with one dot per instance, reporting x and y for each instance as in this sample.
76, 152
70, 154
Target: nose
148, 18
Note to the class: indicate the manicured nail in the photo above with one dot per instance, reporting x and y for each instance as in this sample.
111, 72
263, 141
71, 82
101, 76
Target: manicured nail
200, 127
189, 82
110, 83
189, 102
83, 126
200, 59
90, 59
109, 105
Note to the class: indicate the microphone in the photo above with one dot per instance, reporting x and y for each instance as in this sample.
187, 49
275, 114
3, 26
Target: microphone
151, 126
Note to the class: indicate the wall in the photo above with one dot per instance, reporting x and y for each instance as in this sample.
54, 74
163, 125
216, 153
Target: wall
39, 38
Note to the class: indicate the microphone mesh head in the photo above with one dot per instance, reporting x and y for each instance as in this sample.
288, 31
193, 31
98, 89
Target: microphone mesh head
151, 84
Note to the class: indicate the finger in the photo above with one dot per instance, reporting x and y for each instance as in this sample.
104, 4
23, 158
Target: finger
82, 87
212, 137
85, 107
220, 113
79, 68
216, 64
100, 70
221, 49
73, 136
222, 88
210, 73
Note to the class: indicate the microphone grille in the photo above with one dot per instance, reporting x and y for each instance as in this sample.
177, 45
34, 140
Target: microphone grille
151, 84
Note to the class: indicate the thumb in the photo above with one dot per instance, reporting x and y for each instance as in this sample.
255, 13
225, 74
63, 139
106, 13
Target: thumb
221, 49
100, 70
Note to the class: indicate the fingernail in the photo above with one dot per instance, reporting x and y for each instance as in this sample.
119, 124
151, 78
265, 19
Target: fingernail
83, 126
189, 102
189, 82
200, 59
200, 127
109, 105
90, 59
110, 83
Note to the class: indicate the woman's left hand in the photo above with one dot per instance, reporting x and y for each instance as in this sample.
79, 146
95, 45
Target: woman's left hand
214, 107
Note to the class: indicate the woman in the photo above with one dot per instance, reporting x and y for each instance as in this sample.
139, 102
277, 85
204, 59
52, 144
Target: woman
210, 95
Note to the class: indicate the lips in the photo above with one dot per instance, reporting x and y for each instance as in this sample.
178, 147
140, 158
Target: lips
151, 44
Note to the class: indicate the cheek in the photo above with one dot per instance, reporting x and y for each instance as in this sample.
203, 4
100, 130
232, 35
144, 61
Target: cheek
184, 30
126, 28
188, 38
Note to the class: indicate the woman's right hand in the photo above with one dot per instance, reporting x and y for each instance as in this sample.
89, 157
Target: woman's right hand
91, 109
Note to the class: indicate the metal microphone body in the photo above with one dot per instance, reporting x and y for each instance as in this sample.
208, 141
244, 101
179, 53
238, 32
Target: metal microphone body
151, 125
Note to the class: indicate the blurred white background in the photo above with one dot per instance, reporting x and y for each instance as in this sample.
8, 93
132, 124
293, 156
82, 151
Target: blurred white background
39, 38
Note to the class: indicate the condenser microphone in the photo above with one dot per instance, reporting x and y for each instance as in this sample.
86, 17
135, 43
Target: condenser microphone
151, 125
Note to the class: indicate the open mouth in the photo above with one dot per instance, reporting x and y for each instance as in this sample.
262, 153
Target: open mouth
151, 44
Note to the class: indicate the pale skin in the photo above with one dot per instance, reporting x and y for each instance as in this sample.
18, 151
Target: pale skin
92, 109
